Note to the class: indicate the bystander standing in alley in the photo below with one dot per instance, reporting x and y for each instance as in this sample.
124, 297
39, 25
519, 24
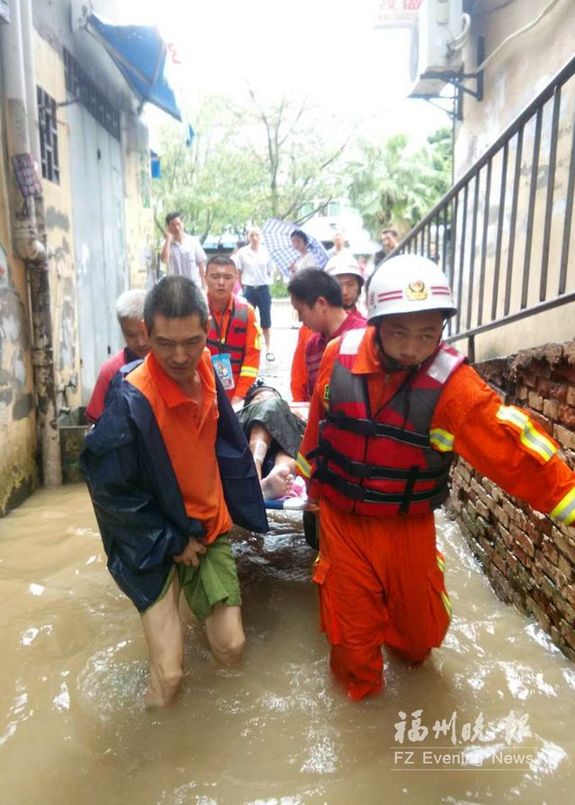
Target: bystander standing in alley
182, 254
256, 271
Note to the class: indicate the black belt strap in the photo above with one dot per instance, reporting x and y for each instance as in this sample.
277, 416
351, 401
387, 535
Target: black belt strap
359, 469
367, 427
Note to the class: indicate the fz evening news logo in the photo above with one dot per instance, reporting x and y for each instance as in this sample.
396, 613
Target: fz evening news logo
453, 743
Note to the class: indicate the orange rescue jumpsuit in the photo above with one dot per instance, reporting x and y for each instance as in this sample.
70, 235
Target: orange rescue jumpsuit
381, 578
298, 379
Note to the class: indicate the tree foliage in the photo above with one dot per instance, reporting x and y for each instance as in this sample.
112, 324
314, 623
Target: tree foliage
392, 184
246, 164
269, 159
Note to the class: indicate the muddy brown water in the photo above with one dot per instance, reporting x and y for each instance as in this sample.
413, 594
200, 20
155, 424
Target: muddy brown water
497, 700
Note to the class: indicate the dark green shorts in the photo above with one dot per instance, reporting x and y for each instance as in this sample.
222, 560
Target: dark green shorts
214, 581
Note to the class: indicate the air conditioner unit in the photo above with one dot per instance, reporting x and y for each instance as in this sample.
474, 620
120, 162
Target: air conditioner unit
434, 34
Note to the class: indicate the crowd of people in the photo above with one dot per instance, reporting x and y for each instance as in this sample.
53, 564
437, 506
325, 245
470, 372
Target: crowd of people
188, 440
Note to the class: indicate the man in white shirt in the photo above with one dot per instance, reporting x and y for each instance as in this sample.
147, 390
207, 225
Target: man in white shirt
340, 254
181, 253
256, 267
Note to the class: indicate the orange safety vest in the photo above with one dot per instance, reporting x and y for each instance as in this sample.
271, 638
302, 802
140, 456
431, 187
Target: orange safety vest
233, 341
383, 464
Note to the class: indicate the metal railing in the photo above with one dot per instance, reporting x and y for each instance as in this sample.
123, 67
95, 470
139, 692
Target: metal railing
503, 233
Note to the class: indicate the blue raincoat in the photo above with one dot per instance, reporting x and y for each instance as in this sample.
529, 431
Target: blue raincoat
135, 494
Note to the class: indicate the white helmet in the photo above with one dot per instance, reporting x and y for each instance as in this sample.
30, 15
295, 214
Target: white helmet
408, 283
335, 268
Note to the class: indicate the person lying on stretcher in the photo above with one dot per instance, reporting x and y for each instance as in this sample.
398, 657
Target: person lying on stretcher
274, 434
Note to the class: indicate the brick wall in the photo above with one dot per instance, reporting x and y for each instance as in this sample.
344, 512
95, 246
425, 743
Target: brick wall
528, 558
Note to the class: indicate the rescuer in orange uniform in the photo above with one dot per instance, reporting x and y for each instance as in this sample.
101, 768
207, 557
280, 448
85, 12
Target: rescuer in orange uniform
391, 406
234, 336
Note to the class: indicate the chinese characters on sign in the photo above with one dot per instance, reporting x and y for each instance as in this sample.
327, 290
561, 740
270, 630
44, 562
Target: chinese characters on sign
391, 13
26, 175
452, 741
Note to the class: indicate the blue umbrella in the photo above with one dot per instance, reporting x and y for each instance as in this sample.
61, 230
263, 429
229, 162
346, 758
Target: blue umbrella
277, 239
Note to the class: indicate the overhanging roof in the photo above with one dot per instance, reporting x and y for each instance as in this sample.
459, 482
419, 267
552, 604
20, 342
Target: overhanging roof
140, 54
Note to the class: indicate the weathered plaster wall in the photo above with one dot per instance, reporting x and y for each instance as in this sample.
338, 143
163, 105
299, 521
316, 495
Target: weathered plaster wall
512, 80
138, 189
60, 236
18, 475
516, 75
529, 560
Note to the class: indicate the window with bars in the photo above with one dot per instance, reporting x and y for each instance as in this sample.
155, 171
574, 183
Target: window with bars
81, 88
48, 125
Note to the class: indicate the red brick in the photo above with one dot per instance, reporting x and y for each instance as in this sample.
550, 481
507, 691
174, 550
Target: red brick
569, 594
568, 632
567, 416
550, 408
569, 351
535, 401
564, 436
522, 393
566, 568
551, 390
567, 546
570, 398
565, 372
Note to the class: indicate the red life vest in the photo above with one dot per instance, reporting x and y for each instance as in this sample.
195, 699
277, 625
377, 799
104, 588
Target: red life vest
383, 464
233, 341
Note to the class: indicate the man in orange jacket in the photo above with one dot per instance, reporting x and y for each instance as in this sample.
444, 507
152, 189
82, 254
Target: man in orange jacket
395, 404
234, 336
317, 298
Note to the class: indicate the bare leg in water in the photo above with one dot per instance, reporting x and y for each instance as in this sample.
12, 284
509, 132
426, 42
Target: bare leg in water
279, 481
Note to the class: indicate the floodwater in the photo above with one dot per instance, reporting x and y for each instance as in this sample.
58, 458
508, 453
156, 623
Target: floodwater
73, 728
495, 704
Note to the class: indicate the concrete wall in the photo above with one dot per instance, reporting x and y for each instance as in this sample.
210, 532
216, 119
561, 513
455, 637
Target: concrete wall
511, 81
18, 474
517, 74
60, 234
529, 560
120, 221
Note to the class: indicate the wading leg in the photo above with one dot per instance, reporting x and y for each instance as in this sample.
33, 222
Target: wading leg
226, 634
164, 636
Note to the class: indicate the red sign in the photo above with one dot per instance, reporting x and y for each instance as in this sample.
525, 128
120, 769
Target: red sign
396, 12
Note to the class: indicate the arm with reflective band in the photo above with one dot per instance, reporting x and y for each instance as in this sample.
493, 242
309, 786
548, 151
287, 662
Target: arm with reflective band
298, 379
251, 363
502, 443
533, 440
317, 410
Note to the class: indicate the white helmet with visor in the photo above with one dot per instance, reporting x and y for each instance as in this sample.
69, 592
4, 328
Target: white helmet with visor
408, 283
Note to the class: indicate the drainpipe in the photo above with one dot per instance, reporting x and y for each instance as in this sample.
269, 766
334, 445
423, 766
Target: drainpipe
28, 228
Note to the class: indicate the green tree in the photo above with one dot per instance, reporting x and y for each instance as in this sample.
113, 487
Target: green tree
247, 163
391, 183
300, 163
214, 182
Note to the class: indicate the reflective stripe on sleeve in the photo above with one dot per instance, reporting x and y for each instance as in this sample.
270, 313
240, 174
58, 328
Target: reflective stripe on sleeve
442, 440
564, 512
531, 439
248, 371
444, 596
303, 465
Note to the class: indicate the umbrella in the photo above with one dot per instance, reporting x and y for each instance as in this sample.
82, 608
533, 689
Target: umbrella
140, 54
277, 239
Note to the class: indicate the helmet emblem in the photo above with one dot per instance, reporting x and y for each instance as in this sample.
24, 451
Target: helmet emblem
416, 291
